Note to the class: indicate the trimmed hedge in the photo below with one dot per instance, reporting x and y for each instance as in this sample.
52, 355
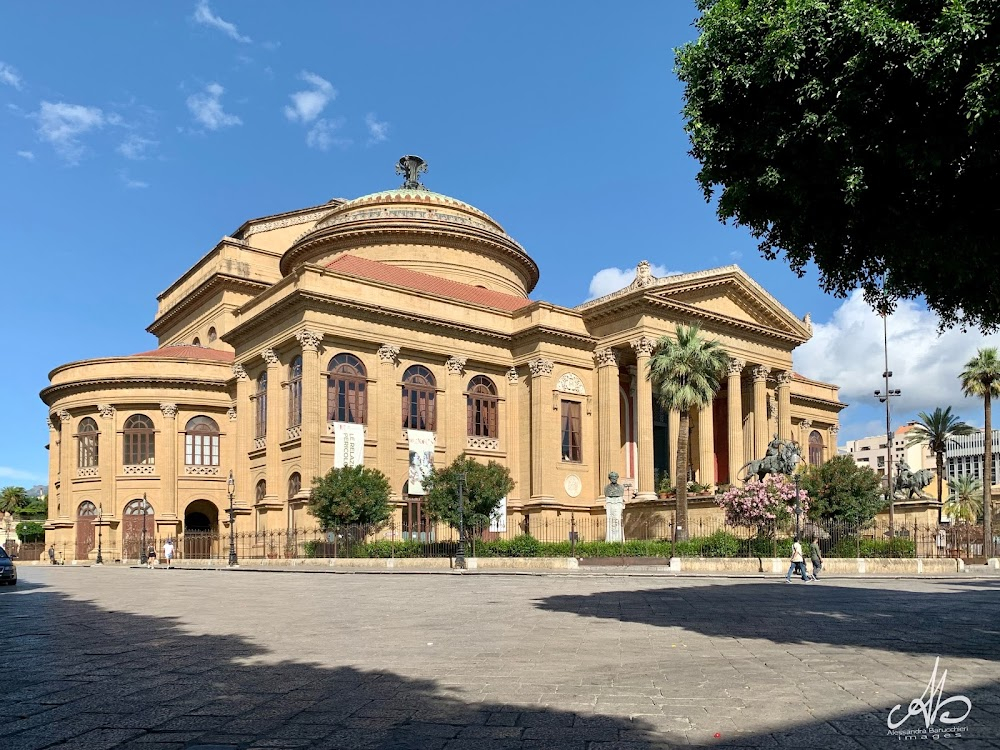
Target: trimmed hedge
854, 547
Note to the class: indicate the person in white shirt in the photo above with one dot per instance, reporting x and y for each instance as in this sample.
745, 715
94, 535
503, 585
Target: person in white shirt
798, 563
168, 551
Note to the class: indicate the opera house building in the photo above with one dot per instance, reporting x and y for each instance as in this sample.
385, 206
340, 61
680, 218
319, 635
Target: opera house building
397, 329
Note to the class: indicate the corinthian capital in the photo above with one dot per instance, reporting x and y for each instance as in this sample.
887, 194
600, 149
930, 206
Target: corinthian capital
240, 372
169, 410
107, 411
64, 417
644, 346
760, 373
231, 413
736, 366
455, 365
512, 376
784, 377
48, 423
540, 367
309, 340
270, 357
805, 424
388, 352
834, 429
606, 358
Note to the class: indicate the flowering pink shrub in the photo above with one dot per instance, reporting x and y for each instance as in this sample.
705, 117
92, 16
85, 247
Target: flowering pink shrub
762, 503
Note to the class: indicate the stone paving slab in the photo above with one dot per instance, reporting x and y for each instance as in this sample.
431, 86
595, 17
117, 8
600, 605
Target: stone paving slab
115, 657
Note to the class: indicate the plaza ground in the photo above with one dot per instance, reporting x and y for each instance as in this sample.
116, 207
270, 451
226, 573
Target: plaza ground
132, 658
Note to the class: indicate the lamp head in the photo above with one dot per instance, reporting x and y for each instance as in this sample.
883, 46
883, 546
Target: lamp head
231, 483
878, 393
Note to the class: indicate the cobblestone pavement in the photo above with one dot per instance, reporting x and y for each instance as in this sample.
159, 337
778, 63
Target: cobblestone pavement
98, 658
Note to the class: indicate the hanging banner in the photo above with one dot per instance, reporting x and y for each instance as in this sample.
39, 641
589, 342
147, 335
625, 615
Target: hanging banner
349, 444
498, 519
421, 460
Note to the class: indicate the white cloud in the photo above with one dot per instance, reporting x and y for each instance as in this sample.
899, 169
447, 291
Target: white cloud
308, 105
204, 15
61, 125
735, 255
10, 76
848, 351
322, 135
7, 472
206, 107
130, 183
377, 131
29, 155
135, 147
609, 280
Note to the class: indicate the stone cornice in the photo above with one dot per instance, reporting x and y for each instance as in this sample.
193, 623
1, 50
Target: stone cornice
213, 282
824, 402
50, 394
692, 311
286, 219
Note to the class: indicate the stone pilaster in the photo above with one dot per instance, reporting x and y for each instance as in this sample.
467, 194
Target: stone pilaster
454, 401
760, 437
784, 393
55, 507
645, 485
167, 463
609, 416
243, 413
389, 424
275, 429
313, 413
513, 431
544, 446
734, 394
706, 445
67, 461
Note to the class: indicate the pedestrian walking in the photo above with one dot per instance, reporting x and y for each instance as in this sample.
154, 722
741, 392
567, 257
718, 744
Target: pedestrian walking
151, 557
817, 557
52, 554
168, 550
798, 565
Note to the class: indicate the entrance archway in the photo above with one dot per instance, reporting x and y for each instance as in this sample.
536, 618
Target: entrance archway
201, 530
138, 529
86, 514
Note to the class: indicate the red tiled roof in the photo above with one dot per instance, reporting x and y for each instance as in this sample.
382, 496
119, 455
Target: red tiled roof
188, 352
423, 282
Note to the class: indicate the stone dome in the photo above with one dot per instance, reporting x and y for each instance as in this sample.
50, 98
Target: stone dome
414, 228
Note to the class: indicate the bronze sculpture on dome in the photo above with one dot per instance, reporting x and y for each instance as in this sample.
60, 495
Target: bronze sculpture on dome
412, 167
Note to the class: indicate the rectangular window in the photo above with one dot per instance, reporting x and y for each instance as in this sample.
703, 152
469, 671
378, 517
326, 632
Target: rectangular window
572, 442
295, 402
201, 450
261, 415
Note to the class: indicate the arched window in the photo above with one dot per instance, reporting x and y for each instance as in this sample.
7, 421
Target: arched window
481, 408
212, 335
201, 442
295, 392
138, 443
815, 448
346, 390
86, 509
419, 399
86, 443
261, 491
196, 342
261, 403
294, 485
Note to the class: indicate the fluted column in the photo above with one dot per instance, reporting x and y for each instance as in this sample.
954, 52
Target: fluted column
784, 393
644, 347
673, 434
275, 427
760, 437
167, 464
243, 414
389, 424
706, 445
56, 508
513, 445
734, 393
609, 415
454, 401
313, 418
544, 452
67, 464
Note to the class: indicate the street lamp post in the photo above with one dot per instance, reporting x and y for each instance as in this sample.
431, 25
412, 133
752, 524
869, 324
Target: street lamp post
231, 485
884, 398
798, 511
460, 479
100, 516
145, 510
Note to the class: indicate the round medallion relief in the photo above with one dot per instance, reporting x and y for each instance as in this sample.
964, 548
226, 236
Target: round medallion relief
573, 485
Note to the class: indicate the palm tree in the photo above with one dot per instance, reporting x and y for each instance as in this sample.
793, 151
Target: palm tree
935, 430
964, 503
12, 499
685, 374
981, 377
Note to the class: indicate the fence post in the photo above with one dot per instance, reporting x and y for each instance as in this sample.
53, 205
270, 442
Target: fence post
572, 535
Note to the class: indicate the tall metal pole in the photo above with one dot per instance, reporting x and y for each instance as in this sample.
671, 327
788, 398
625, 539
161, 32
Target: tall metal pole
885, 399
798, 511
145, 509
231, 484
100, 515
460, 556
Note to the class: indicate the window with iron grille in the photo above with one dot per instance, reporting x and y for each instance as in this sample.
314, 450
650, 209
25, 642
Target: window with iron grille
295, 392
481, 408
87, 443
261, 406
201, 442
138, 441
419, 399
572, 438
346, 390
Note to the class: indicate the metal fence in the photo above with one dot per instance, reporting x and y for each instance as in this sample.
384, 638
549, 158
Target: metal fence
565, 535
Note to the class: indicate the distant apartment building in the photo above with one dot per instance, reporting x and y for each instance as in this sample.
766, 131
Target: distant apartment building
965, 455
871, 452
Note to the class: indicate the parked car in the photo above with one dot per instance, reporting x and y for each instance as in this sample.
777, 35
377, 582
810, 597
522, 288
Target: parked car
8, 571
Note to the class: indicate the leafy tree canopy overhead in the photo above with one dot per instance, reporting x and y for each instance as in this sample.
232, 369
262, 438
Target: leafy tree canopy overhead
861, 136
841, 490
351, 495
483, 488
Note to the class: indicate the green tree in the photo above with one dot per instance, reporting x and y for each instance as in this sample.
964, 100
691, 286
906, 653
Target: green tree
981, 378
965, 501
859, 135
934, 431
841, 490
685, 373
13, 499
30, 531
351, 495
484, 486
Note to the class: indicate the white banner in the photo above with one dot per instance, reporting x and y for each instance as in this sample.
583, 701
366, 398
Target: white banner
421, 460
349, 444
498, 519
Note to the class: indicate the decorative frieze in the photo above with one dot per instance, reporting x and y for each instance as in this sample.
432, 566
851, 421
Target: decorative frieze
482, 443
512, 377
309, 340
644, 346
388, 353
107, 411
759, 373
456, 365
259, 443
201, 471
240, 372
570, 383
169, 410
269, 356
138, 469
541, 367
87, 471
606, 358
293, 432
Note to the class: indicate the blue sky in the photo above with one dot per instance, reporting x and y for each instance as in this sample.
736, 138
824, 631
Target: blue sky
134, 135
